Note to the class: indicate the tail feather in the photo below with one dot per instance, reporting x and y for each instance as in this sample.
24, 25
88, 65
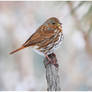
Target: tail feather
17, 50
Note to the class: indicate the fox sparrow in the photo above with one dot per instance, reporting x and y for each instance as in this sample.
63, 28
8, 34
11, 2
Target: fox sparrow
46, 39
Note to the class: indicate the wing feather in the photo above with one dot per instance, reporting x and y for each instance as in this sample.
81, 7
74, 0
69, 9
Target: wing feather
39, 36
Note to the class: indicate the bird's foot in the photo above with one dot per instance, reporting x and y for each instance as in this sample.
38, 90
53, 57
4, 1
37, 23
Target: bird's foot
49, 60
52, 59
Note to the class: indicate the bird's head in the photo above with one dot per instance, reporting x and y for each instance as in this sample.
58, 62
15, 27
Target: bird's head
53, 23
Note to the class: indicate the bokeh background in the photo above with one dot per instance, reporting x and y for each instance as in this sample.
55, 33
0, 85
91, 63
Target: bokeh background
25, 70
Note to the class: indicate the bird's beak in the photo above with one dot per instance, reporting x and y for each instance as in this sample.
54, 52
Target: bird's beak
59, 24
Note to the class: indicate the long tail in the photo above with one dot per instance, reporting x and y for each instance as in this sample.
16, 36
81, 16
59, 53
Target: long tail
17, 50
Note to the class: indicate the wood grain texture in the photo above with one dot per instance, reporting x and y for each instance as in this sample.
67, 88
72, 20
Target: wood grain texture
52, 76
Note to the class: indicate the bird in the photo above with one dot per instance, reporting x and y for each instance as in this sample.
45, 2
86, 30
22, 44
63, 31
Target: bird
46, 39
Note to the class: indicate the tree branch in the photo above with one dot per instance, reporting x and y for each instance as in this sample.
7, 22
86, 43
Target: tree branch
52, 77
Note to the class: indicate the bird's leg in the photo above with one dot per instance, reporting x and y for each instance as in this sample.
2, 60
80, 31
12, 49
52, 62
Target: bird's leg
54, 60
49, 60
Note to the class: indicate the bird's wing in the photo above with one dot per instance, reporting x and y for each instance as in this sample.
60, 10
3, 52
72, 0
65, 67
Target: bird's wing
39, 36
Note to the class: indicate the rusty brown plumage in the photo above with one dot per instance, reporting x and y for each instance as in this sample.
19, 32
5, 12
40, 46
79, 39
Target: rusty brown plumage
47, 37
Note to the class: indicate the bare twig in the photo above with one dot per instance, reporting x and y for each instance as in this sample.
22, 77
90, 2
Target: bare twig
52, 77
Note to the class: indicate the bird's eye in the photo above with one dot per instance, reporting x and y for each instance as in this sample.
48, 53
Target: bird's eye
53, 23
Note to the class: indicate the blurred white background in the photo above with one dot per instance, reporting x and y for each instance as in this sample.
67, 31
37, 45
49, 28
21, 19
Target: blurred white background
25, 70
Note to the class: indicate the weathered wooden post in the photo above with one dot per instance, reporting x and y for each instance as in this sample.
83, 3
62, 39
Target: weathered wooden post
52, 77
